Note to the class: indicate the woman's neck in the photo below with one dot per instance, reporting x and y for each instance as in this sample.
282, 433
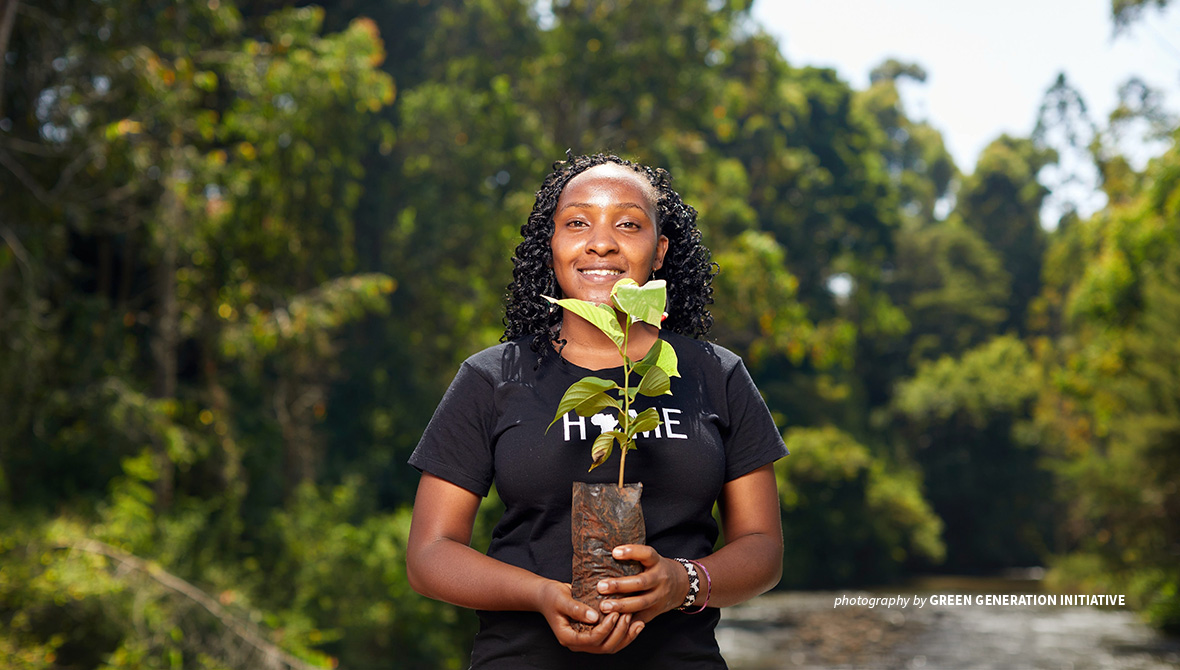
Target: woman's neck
588, 347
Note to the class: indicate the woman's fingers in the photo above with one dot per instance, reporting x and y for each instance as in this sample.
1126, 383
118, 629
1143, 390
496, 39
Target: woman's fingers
594, 638
661, 586
557, 598
578, 611
648, 579
647, 556
623, 633
639, 605
610, 632
614, 632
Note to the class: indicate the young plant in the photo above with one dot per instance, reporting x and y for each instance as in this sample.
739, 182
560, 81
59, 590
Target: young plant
591, 395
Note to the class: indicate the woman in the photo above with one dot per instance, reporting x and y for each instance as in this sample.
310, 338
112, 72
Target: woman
598, 219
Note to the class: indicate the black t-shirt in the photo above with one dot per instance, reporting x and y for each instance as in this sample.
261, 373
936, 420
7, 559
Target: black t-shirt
491, 428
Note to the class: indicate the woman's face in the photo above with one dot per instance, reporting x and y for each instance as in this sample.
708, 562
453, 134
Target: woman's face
604, 229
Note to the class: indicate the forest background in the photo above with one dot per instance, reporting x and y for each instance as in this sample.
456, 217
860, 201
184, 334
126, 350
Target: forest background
245, 246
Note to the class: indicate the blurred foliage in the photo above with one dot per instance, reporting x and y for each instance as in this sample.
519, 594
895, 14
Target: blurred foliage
1002, 201
245, 244
1111, 409
1126, 12
842, 505
963, 422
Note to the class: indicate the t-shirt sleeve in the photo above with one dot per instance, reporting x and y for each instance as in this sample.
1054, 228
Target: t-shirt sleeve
456, 445
752, 440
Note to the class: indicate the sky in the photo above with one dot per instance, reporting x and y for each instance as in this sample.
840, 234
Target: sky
988, 63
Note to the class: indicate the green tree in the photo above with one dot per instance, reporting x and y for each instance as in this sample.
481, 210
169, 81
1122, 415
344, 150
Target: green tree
1002, 201
440, 213
168, 170
1111, 416
636, 77
966, 422
850, 517
951, 286
916, 157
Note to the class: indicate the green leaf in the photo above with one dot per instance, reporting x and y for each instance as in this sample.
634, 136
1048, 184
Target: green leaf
644, 422
595, 403
655, 382
650, 359
668, 361
578, 393
602, 316
603, 445
642, 303
661, 355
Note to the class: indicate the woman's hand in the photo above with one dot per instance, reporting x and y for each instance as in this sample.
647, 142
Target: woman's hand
662, 585
611, 633
440, 564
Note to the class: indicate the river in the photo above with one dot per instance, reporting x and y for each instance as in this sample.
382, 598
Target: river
803, 630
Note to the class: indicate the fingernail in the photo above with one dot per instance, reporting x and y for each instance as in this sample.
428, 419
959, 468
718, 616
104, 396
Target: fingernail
618, 552
639, 627
603, 586
606, 607
592, 616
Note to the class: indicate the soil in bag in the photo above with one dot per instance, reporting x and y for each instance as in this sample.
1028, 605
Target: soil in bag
603, 517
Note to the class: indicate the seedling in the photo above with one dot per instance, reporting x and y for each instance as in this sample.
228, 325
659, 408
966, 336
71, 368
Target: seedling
591, 395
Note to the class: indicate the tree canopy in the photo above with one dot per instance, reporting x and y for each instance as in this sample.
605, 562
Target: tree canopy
244, 245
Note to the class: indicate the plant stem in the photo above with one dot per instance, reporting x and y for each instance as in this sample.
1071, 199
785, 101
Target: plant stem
625, 418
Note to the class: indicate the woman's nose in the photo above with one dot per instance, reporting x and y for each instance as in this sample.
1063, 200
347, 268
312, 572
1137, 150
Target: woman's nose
602, 239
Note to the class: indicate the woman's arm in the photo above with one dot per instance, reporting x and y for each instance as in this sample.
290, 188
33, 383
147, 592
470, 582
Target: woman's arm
440, 564
749, 564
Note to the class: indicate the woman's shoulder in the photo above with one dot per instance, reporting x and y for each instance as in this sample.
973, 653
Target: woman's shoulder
504, 361
702, 354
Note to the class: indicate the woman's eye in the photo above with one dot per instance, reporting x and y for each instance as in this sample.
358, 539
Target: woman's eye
628, 224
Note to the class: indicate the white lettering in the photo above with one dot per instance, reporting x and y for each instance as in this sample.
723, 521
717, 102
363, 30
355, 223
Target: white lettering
668, 423
580, 423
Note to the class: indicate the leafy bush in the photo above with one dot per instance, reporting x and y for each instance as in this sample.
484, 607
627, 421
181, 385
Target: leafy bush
848, 516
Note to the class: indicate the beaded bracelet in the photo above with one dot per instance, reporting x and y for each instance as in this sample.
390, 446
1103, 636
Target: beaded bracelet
694, 585
708, 586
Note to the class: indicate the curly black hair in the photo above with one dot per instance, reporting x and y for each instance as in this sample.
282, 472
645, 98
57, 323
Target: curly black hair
688, 267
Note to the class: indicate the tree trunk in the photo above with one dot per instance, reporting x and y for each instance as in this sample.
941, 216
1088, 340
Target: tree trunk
7, 21
166, 336
295, 398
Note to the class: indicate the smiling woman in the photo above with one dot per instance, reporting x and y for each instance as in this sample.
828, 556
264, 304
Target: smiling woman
598, 220
605, 229
686, 263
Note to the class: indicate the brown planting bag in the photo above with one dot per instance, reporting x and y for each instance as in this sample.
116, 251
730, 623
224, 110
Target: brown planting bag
603, 517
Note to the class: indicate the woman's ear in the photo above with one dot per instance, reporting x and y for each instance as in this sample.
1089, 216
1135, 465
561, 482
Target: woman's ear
661, 250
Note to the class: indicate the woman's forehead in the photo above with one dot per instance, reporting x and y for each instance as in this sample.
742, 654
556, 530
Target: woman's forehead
613, 174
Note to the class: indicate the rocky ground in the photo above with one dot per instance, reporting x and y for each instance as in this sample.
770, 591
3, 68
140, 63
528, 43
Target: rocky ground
803, 630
